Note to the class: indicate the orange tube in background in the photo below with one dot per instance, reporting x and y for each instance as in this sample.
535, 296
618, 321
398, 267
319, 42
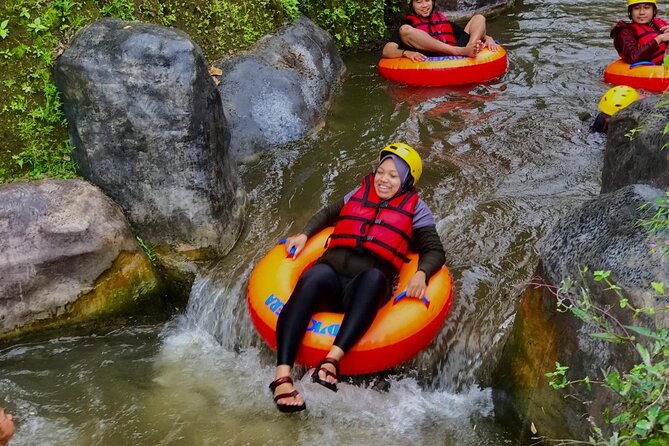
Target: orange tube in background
446, 70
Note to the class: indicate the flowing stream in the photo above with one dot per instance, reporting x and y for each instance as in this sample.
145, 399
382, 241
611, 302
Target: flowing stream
503, 162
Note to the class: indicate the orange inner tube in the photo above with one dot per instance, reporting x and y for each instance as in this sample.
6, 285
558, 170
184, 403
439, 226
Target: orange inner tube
446, 70
398, 333
649, 77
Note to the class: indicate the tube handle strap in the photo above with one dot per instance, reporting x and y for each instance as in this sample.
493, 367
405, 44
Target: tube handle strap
403, 294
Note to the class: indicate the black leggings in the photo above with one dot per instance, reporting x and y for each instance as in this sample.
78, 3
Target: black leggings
320, 288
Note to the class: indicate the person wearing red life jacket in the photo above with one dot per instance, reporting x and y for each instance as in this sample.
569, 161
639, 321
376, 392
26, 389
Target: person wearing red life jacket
375, 225
427, 32
645, 37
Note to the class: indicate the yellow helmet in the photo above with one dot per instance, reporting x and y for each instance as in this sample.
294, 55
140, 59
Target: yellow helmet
617, 98
409, 155
636, 2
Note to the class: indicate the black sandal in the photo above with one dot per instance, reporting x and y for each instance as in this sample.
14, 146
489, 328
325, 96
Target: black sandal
315, 378
286, 408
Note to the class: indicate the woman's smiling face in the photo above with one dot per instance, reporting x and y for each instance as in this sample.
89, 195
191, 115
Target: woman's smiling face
387, 180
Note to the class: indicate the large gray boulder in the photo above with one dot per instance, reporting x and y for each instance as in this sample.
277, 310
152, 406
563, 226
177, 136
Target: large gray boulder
67, 256
147, 125
635, 146
603, 235
279, 91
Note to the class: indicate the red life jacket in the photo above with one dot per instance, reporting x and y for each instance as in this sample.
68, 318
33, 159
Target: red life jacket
437, 25
645, 33
381, 227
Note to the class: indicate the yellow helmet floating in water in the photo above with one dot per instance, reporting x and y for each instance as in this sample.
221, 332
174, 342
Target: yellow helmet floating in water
409, 155
617, 98
636, 2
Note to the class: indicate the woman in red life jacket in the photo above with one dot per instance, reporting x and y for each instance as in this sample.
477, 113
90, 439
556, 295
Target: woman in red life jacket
645, 38
375, 225
426, 32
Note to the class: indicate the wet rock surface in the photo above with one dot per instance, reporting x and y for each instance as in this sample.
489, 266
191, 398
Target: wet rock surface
279, 91
67, 255
635, 146
147, 125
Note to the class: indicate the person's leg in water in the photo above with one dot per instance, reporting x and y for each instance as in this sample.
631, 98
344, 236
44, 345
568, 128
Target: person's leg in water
318, 286
362, 298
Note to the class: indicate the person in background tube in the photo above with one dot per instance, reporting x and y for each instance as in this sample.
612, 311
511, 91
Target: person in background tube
645, 37
426, 32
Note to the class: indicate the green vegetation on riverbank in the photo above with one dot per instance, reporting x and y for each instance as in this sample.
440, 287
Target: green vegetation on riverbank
640, 413
33, 33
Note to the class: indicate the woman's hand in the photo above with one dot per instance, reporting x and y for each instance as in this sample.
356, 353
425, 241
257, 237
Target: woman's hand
664, 29
296, 241
416, 286
662, 38
490, 43
414, 55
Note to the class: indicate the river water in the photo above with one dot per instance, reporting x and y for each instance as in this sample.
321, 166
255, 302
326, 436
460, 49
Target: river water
503, 162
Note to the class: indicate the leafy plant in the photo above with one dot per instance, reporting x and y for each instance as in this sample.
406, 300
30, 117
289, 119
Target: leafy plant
632, 133
4, 31
291, 7
150, 253
37, 26
122, 9
659, 221
350, 22
641, 414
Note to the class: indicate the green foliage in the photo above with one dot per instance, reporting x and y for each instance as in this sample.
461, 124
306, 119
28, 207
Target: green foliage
630, 135
121, 9
659, 221
241, 31
33, 33
150, 253
4, 32
37, 26
291, 8
558, 378
641, 414
350, 22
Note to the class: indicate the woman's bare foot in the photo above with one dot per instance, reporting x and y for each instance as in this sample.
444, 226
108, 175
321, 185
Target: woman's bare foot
472, 49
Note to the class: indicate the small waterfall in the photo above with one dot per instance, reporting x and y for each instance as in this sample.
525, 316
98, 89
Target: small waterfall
217, 305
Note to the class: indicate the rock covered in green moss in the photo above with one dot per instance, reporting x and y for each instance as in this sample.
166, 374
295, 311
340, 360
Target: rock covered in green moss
67, 256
